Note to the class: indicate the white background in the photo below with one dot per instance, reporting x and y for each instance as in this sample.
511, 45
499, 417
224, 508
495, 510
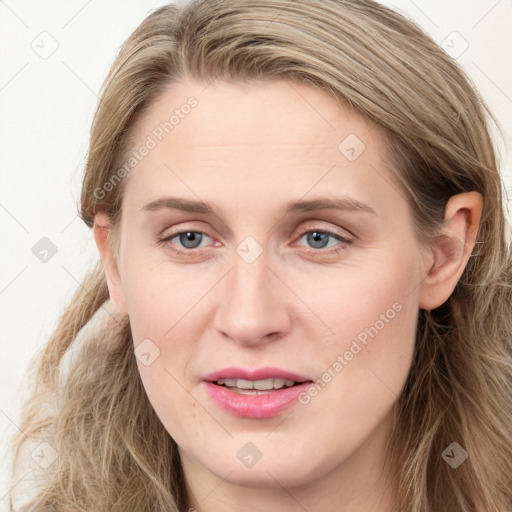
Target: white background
47, 106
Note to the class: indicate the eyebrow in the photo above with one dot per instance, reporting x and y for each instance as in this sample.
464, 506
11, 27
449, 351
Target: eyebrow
191, 206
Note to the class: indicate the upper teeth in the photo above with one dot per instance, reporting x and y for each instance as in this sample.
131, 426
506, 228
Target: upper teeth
256, 384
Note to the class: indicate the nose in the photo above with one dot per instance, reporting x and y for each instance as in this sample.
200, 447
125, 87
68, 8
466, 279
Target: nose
253, 306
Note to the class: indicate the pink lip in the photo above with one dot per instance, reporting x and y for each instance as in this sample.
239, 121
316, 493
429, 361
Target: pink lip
267, 372
255, 406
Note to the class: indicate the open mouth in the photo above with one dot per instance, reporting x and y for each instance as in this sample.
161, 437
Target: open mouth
256, 387
255, 394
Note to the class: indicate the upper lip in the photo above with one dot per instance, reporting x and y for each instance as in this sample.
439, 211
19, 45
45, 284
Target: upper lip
267, 372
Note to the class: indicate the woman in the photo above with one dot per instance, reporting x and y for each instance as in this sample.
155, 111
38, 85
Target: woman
303, 299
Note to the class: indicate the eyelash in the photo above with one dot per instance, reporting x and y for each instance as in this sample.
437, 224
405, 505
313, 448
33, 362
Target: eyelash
166, 241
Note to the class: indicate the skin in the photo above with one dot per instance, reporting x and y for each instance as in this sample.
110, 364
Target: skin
249, 149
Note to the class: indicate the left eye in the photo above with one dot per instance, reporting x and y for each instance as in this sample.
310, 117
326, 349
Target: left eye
320, 239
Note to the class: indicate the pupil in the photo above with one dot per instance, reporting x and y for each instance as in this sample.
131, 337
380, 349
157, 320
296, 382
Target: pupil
316, 239
190, 239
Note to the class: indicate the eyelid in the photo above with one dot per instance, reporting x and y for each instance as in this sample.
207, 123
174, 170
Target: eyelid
317, 225
171, 232
342, 239
166, 239
348, 236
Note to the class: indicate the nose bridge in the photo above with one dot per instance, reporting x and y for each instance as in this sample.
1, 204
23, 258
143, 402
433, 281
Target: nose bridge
251, 308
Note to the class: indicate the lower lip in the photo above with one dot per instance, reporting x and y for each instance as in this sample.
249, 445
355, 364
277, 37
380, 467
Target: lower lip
255, 406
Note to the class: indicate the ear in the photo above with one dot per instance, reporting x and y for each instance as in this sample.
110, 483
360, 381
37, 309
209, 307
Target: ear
102, 236
450, 251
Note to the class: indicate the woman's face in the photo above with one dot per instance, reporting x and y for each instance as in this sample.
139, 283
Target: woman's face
290, 256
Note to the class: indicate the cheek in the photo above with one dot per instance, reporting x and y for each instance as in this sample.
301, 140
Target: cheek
160, 307
164, 308
180, 413
372, 312
161, 299
365, 300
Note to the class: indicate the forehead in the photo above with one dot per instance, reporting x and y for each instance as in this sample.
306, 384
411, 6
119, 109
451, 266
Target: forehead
265, 112
247, 137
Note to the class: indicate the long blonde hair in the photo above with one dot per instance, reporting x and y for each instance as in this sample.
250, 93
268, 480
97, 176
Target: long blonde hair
113, 453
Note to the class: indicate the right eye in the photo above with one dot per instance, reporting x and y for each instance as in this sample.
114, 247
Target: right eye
188, 240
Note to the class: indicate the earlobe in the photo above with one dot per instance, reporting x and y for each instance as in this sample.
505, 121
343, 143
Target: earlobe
451, 250
101, 230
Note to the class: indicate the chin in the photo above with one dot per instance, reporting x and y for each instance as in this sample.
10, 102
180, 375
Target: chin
266, 477
274, 471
